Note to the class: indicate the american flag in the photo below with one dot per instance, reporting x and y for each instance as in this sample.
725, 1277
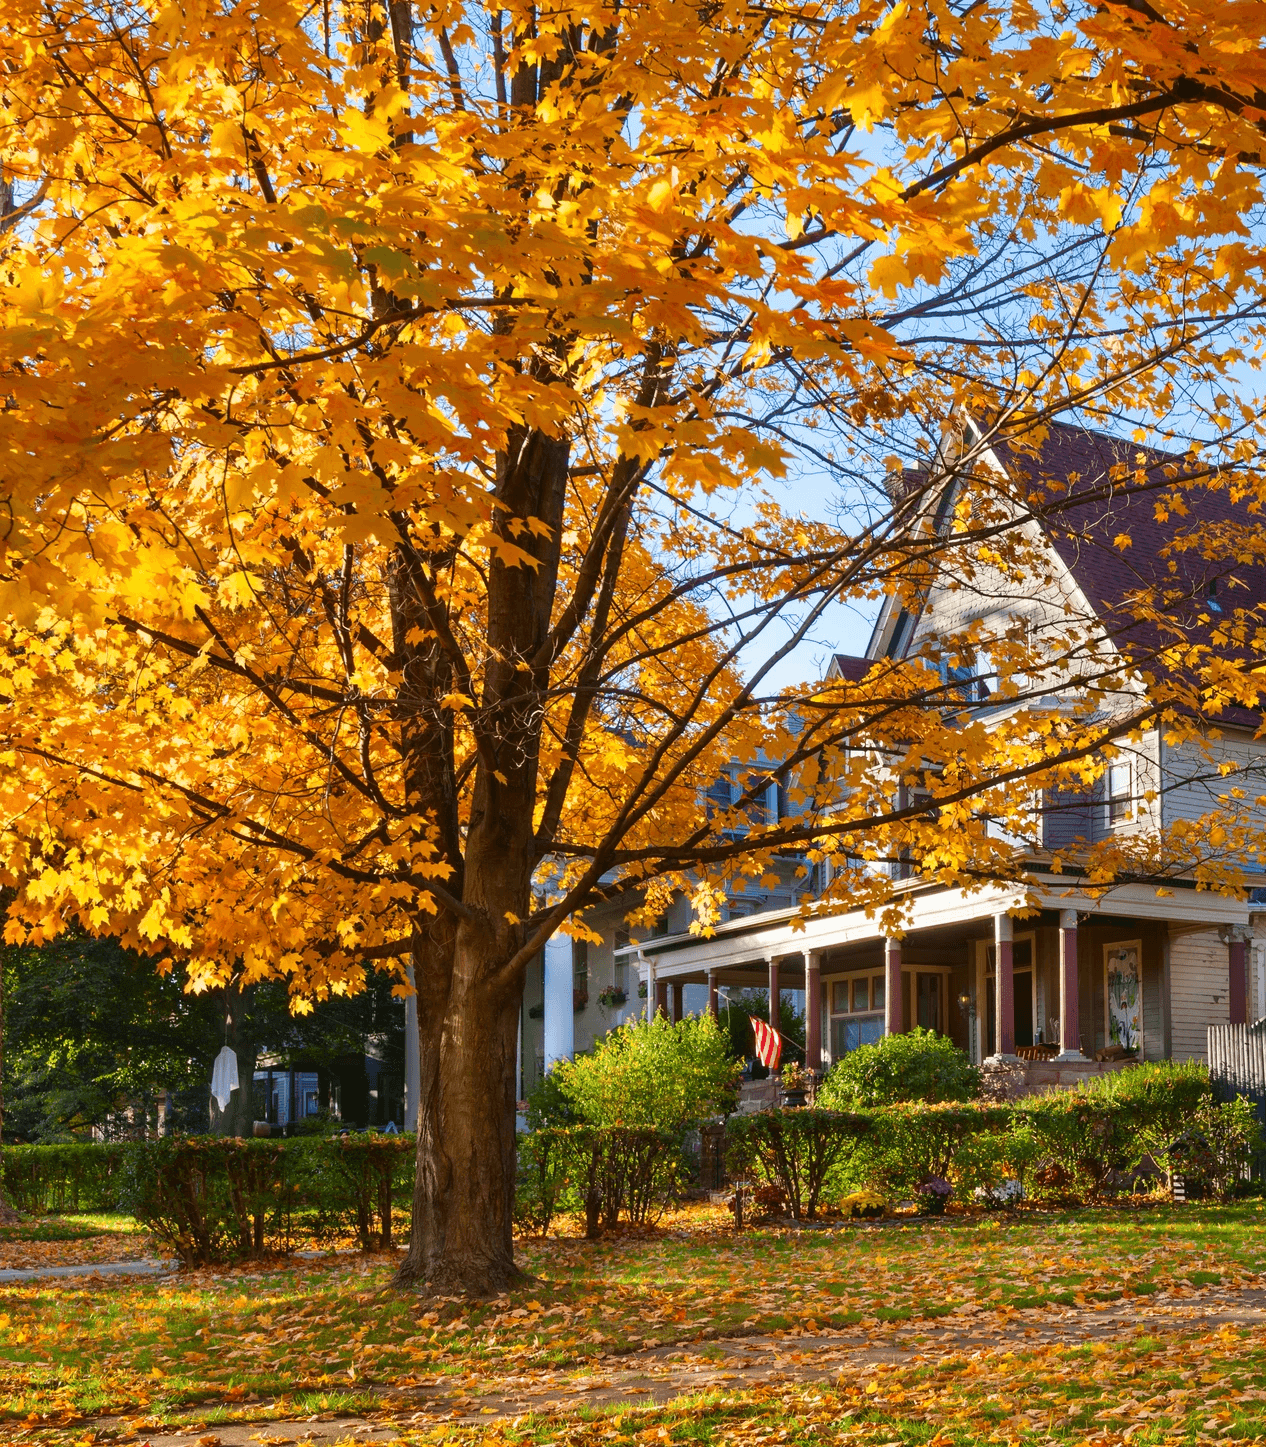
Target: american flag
768, 1043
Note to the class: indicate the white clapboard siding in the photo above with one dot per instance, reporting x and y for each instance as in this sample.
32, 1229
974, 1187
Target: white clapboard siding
1193, 787
1199, 992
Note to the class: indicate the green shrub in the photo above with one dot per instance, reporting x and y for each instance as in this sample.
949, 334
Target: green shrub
350, 1183
653, 1075
915, 1142
207, 1198
541, 1177
1213, 1150
603, 1171
64, 1178
918, 1065
211, 1198
1083, 1138
549, 1105
1164, 1094
795, 1150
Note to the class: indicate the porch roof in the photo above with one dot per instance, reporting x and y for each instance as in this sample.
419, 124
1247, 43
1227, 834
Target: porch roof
745, 944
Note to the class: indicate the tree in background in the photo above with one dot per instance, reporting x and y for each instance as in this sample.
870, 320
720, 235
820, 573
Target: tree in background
95, 1033
394, 403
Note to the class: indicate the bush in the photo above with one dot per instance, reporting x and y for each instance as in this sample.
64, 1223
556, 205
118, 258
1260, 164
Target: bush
1213, 1152
795, 1150
602, 1171
211, 1198
64, 1178
653, 1075
207, 1198
549, 1105
540, 1178
910, 1144
1083, 1140
353, 1180
1163, 1094
918, 1065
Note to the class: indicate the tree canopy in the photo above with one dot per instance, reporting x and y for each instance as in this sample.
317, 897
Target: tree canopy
395, 399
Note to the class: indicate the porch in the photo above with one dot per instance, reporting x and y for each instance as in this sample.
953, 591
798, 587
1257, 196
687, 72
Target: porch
1078, 987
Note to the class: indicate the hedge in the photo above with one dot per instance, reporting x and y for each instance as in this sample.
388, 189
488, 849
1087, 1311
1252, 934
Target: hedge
796, 1150
1063, 1146
212, 1198
63, 1178
603, 1171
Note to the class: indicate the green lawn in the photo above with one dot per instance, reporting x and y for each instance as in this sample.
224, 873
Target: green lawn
324, 1333
1187, 1389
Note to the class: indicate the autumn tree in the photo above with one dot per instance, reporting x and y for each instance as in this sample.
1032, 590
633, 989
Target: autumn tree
396, 398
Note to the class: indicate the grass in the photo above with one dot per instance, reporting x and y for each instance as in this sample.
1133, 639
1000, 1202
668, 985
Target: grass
211, 1345
1188, 1389
87, 1227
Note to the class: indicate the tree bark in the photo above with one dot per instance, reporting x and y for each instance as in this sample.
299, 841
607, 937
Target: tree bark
238, 1117
462, 1238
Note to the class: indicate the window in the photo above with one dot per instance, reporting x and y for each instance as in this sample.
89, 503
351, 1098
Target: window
580, 964
720, 796
857, 1012
974, 682
1120, 792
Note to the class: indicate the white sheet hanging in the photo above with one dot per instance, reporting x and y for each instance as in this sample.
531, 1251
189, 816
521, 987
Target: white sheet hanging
224, 1077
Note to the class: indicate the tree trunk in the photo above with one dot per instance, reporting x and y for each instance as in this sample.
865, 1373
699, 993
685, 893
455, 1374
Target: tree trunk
463, 1196
8, 1216
238, 1117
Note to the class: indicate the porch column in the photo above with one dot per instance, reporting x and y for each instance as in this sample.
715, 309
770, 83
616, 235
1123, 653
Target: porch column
713, 1001
812, 1010
894, 999
649, 962
560, 1016
1236, 953
661, 998
676, 1016
1069, 1023
1004, 982
775, 994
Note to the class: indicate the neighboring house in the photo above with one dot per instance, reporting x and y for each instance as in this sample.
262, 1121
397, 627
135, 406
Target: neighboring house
1178, 959
358, 1089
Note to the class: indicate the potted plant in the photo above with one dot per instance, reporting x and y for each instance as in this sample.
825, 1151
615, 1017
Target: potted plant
794, 1084
612, 996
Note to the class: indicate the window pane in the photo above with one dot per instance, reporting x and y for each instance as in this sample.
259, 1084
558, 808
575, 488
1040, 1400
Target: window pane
871, 1030
877, 992
860, 994
839, 997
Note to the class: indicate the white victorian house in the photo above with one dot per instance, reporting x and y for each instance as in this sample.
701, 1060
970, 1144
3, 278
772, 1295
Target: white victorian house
1144, 968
